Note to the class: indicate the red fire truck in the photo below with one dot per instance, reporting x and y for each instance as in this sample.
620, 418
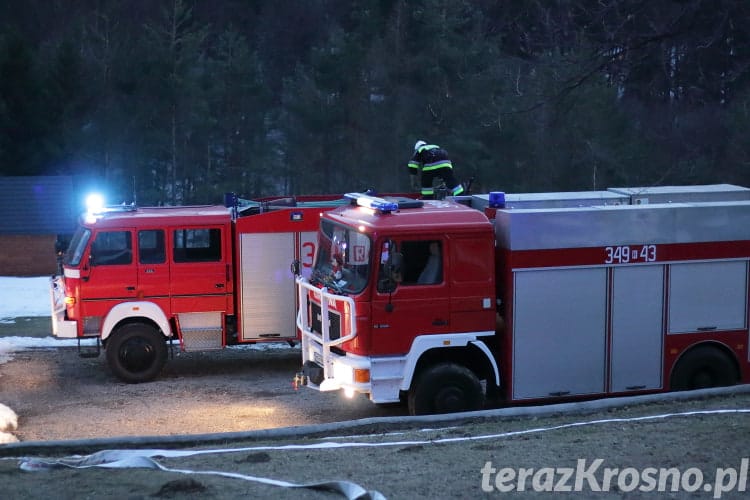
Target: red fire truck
438, 304
135, 278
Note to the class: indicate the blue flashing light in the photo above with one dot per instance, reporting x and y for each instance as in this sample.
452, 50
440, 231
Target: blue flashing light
497, 199
373, 202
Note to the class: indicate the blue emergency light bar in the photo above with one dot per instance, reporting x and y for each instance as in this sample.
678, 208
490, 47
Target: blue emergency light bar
365, 200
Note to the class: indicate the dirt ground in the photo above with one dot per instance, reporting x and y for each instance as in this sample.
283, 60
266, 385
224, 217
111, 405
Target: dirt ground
63, 401
58, 395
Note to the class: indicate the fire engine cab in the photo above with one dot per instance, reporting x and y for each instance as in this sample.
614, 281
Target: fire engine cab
204, 277
439, 304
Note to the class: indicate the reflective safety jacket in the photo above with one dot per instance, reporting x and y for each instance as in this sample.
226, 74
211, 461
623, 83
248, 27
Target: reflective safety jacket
429, 157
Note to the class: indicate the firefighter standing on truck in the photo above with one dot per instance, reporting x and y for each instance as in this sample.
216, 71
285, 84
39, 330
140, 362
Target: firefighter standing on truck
433, 162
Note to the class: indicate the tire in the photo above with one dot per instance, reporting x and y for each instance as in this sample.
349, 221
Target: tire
701, 368
136, 353
445, 388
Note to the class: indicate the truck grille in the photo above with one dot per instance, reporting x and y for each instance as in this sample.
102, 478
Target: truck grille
334, 320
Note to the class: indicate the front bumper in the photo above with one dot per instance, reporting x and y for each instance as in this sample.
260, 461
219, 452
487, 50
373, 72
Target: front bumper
61, 327
351, 373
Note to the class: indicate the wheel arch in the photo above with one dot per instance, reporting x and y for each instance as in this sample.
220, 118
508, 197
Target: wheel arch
136, 312
714, 345
473, 354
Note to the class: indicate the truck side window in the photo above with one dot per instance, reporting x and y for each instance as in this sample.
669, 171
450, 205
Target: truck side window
74, 254
112, 248
389, 270
197, 245
151, 249
422, 262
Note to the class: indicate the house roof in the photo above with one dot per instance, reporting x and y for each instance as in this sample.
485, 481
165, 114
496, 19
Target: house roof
37, 205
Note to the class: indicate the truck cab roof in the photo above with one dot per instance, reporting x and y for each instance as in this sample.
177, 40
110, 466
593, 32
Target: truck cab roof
429, 215
159, 216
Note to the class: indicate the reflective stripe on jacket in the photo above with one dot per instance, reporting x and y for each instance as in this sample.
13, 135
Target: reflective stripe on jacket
429, 157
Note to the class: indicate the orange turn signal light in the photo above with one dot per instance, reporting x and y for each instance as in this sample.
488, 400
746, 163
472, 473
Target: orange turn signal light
361, 376
70, 301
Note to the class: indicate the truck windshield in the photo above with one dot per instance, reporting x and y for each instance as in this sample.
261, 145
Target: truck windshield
343, 259
77, 245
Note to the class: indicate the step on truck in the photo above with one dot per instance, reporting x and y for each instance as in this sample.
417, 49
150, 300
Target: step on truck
438, 305
137, 280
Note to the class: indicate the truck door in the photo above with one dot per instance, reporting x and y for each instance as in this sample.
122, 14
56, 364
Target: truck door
108, 273
420, 302
153, 267
200, 273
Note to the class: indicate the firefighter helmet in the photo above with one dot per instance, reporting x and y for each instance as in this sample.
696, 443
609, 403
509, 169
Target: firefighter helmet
418, 145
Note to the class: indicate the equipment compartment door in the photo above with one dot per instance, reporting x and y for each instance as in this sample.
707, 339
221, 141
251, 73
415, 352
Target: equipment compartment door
267, 288
559, 332
637, 319
707, 296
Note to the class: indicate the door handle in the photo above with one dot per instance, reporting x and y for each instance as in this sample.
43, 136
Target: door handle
129, 288
439, 322
219, 285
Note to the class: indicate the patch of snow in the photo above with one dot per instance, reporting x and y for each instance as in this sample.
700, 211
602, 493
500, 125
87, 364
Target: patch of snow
8, 423
9, 345
8, 419
7, 437
24, 297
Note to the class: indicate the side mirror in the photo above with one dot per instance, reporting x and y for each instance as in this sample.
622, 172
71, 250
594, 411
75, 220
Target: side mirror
387, 285
391, 275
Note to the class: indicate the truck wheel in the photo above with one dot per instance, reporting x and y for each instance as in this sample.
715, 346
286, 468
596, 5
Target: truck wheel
701, 368
136, 353
445, 388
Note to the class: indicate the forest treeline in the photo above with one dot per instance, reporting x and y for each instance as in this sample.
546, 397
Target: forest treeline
183, 100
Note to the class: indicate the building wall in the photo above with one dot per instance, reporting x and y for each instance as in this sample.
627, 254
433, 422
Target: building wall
27, 255
37, 205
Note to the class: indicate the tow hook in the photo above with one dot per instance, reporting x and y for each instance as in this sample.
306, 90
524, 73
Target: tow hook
299, 380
